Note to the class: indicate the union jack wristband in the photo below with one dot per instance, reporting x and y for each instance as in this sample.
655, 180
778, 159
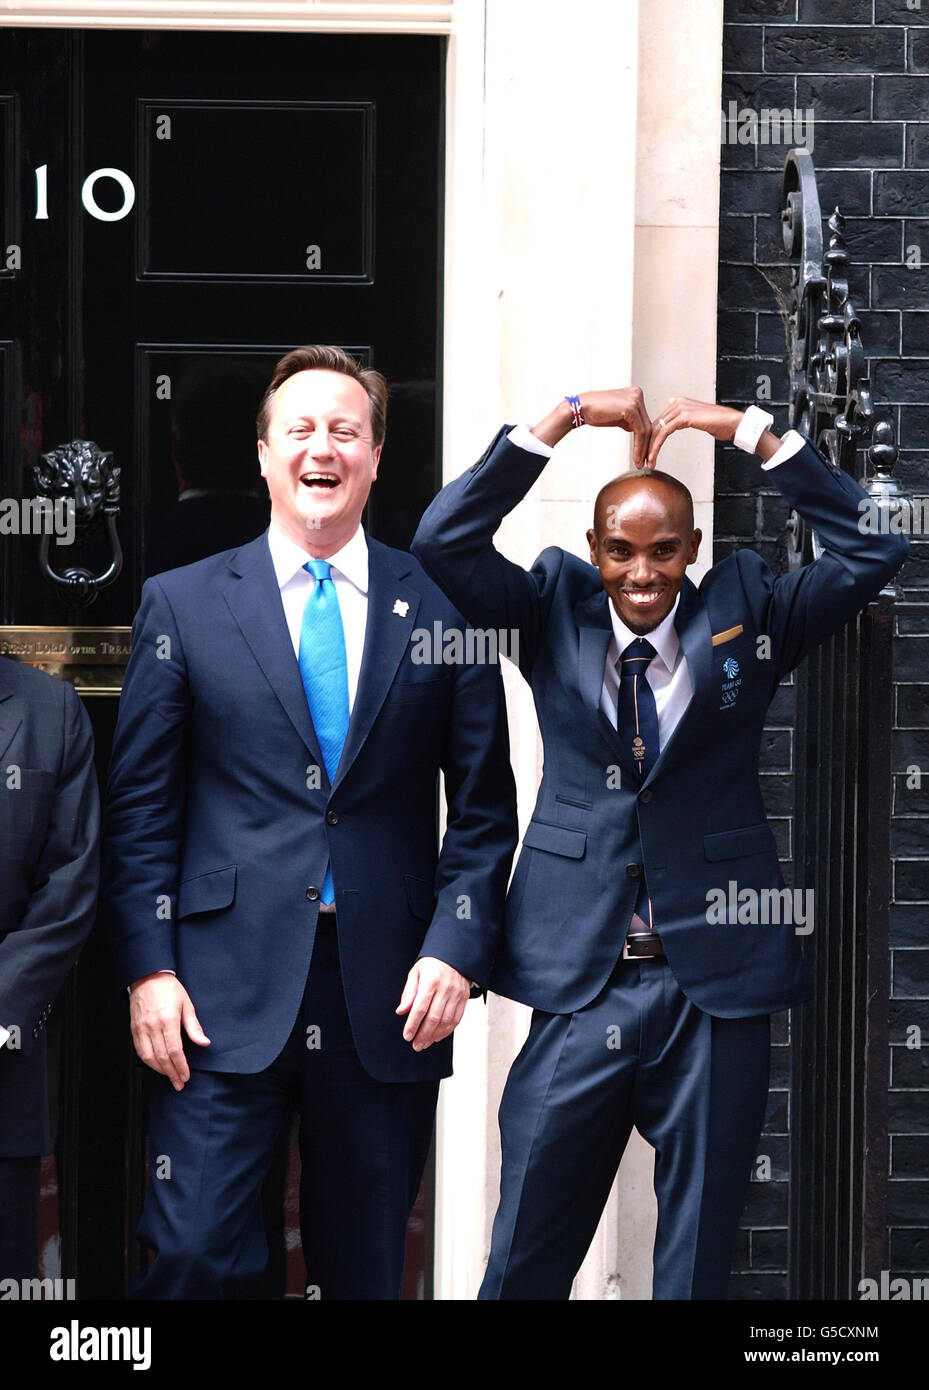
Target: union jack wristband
577, 418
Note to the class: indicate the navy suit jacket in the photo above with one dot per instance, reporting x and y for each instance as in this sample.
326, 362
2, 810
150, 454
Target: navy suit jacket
49, 864
220, 818
698, 821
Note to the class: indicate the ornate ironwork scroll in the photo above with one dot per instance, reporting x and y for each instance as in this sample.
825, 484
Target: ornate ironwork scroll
838, 1141
830, 395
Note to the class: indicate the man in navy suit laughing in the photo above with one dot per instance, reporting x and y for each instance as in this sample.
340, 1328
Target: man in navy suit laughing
272, 876
651, 696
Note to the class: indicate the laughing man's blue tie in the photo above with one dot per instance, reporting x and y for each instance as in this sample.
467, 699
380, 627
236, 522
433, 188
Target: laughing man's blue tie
637, 725
325, 675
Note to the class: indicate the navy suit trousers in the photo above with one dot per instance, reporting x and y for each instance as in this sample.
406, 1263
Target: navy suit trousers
363, 1148
640, 1054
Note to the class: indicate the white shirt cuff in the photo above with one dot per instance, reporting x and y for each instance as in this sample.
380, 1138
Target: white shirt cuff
523, 438
752, 426
5, 1036
791, 443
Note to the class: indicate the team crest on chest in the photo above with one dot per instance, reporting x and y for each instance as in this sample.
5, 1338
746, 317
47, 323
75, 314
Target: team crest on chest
732, 683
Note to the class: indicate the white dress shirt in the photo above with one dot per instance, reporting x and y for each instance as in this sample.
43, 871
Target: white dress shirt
667, 673
350, 577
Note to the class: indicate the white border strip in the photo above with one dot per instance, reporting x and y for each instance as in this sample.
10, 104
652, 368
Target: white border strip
308, 15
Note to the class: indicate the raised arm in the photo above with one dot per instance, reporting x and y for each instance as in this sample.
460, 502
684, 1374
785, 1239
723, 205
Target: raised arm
856, 560
454, 541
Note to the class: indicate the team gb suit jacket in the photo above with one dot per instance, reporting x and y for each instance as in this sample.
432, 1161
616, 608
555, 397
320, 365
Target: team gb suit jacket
697, 822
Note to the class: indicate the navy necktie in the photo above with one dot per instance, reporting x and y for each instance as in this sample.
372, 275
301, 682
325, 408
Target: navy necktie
325, 675
636, 713
637, 725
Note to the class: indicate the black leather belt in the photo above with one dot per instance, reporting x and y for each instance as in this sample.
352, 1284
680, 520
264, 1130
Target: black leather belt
643, 946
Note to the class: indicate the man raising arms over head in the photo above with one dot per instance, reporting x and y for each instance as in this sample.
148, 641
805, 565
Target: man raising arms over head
651, 696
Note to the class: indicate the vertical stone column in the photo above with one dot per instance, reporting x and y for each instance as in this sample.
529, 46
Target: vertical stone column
561, 208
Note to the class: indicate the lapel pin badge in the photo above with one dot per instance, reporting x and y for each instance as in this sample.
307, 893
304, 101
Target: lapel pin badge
401, 607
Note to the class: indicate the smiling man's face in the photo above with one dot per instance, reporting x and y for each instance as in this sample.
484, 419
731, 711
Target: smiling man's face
642, 541
319, 459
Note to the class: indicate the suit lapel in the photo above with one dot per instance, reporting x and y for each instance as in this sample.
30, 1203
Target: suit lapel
254, 598
392, 608
594, 632
595, 629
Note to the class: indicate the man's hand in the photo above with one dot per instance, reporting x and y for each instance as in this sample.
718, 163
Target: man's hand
623, 408
158, 1006
434, 995
681, 413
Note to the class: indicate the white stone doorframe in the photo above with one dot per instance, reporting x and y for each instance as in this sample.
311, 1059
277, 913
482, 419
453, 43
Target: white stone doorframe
581, 251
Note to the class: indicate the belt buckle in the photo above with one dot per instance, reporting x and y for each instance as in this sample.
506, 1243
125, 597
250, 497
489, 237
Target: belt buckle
635, 938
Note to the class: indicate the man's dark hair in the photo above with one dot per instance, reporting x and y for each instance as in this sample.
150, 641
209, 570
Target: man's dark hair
324, 357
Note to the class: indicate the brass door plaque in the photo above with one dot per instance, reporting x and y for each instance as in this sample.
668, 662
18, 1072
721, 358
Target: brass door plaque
93, 659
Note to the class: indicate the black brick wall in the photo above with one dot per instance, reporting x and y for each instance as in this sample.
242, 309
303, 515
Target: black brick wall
866, 80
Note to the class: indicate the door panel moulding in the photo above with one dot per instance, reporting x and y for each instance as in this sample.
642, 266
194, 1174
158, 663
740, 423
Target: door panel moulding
311, 16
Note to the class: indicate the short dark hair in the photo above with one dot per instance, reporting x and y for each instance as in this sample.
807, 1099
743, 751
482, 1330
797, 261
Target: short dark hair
324, 357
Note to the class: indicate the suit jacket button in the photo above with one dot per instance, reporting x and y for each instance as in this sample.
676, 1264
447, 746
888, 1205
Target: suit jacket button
332, 818
646, 795
633, 870
312, 894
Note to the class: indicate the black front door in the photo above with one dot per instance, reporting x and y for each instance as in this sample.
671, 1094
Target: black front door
176, 211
